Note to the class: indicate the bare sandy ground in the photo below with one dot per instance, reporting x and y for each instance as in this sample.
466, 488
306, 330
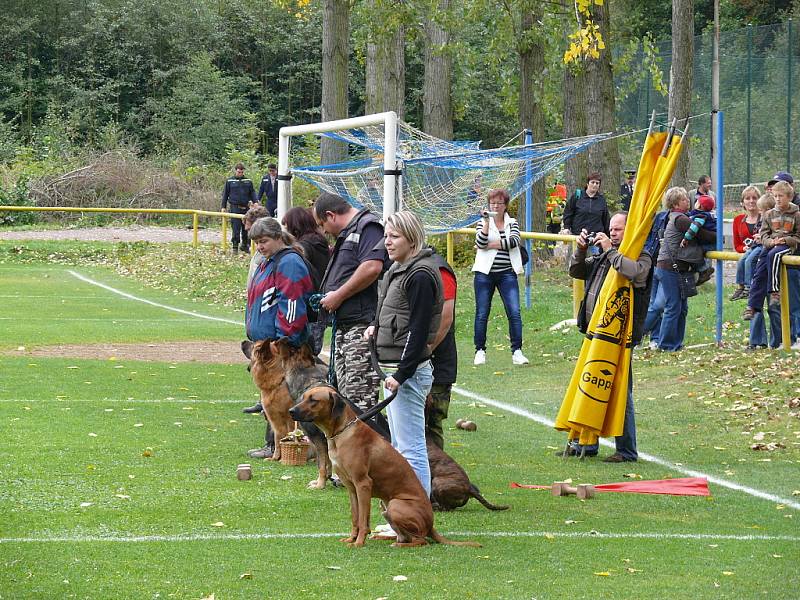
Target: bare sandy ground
201, 352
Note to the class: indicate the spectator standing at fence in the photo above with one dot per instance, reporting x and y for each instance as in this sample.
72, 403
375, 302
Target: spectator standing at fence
745, 228
498, 263
350, 286
675, 260
703, 189
780, 235
237, 197
587, 209
626, 189
269, 189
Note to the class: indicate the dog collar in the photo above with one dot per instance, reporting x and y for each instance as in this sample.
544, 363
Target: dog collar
343, 429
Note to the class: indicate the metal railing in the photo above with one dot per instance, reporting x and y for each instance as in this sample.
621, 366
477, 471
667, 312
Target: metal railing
196, 214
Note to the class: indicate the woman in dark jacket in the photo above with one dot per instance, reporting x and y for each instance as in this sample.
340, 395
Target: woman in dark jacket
587, 209
300, 223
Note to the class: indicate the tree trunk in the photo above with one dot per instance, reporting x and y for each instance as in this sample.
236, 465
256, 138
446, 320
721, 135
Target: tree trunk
600, 110
386, 69
574, 103
531, 89
680, 76
437, 117
335, 53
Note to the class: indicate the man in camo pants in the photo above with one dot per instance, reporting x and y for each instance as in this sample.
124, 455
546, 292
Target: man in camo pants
350, 286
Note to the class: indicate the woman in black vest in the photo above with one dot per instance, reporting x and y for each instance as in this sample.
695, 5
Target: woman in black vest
587, 209
409, 311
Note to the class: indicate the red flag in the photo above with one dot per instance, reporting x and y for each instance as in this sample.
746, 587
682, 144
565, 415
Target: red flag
682, 486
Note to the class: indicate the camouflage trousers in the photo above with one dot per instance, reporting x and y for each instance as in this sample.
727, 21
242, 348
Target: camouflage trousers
356, 379
436, 407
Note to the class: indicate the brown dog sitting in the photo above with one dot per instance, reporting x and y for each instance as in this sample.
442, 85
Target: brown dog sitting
370, 468
267, 370
450, 485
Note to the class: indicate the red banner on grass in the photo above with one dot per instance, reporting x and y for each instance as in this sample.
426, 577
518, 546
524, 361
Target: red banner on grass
684, 486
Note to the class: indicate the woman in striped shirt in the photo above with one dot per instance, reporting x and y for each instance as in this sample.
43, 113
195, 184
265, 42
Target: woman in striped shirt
498, 262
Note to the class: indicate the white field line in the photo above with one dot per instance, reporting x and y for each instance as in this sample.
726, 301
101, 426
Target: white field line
215, 537
121, 401
642, 456
509, 408
150, 302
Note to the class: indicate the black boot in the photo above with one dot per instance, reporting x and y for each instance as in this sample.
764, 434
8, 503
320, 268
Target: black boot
256, 408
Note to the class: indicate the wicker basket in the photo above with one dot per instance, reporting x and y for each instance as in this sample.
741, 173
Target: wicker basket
294, 453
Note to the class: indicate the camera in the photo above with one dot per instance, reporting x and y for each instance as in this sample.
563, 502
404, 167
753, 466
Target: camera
748, 242
488, 213
591, 238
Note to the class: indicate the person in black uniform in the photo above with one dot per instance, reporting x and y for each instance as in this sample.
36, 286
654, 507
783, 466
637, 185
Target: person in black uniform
237, 197
626, 189
269, 189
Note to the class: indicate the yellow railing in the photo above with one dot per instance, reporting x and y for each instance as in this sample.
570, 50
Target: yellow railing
196, 214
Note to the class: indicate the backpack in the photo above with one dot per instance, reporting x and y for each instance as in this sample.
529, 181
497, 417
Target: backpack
313, 315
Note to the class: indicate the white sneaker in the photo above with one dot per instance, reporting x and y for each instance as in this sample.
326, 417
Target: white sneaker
796, 345
480, 358
518, 358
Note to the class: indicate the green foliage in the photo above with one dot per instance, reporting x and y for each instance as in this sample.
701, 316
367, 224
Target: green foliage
206, 116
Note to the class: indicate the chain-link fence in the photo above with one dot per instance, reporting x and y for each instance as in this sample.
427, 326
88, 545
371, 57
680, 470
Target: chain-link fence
759, 94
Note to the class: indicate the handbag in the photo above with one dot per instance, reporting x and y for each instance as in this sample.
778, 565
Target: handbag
523, 253
687, 283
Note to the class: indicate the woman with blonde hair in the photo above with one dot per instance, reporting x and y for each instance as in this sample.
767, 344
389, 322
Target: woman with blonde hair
410, 299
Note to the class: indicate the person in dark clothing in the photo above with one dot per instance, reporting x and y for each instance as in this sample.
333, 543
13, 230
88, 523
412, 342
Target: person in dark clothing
350, 286
300, 223
444, 357
237, 197
587, 209
269, 189
626, 189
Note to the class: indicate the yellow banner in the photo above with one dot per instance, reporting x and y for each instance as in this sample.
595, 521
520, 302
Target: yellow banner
594, 403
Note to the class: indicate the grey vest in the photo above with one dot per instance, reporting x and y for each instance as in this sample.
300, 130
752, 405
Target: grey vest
394, 311
692, 253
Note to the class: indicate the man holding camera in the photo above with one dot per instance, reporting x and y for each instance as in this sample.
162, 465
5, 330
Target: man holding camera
593, 269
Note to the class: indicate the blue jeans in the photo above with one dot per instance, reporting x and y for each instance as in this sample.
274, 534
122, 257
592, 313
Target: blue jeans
758, 328
625, 443
406, 415
766, 276
652, 323
506, 283
745, 265
673, 322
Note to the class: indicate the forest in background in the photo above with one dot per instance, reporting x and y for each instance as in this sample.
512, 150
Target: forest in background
146, 103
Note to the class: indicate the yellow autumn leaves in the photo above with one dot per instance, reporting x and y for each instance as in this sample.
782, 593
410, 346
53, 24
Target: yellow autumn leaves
587, 42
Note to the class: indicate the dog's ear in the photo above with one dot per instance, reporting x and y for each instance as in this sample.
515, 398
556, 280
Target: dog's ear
247, 349
264, 351
281, 347
337, 410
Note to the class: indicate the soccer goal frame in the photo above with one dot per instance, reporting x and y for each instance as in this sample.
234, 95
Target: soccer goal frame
390, 170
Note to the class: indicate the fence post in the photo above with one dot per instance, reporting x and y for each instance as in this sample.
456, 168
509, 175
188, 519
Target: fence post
195, 227
528, 219
749, 85
789, 97
450, 253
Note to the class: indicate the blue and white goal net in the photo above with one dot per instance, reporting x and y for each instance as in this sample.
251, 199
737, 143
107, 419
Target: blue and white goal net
444, 183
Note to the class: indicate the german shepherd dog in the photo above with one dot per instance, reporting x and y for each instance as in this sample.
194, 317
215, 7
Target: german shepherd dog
370, 468
269, 375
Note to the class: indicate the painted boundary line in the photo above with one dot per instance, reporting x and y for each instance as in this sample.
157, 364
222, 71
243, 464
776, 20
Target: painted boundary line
502, 405
150, 302
203, 537
642, 456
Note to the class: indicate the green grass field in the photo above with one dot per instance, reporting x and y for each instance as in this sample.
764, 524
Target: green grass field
118, 477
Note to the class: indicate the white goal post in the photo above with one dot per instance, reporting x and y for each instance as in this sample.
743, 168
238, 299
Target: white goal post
387, 119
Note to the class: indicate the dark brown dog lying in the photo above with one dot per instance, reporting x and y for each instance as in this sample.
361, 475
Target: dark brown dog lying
370, 468
450, 485
267, 370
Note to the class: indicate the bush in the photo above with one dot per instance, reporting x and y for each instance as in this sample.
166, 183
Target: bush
16, 194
